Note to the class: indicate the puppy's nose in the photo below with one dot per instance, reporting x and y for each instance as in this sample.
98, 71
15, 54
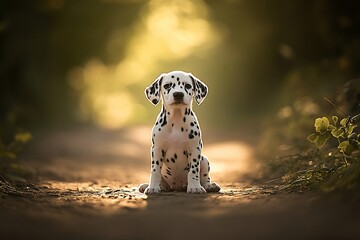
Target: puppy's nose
178, 96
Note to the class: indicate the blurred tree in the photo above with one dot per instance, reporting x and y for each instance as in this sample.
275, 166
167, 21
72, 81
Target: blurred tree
40, 41
278, 51
273, 53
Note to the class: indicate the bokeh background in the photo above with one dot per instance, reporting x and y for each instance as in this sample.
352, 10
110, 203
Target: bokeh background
72, 80
87, 62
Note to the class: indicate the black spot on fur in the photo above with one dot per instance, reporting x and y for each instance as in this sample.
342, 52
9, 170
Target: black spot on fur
164, 122
187, 167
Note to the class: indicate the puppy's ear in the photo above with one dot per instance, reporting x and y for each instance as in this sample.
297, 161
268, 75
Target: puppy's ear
200, 88
152, 92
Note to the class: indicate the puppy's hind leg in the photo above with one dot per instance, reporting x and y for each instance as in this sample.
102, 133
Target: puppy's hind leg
205, 179
142, 187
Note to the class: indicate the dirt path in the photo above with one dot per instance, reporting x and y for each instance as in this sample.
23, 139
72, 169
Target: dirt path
87, 190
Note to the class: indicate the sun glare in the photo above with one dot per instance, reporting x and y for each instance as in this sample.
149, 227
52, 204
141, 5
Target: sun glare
166, 31
238, 155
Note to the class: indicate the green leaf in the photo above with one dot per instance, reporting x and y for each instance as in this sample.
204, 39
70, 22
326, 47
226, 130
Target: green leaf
345, 147
337, 132
321, 125
343, 144
23, 137
322, 139
343, 122
312, 137
351, 128
331, 127
335, 119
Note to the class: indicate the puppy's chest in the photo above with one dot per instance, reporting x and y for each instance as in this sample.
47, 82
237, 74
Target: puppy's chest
178, 133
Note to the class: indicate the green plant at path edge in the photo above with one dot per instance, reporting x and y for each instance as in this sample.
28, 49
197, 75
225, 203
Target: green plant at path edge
11, 150
10, 169
343, 131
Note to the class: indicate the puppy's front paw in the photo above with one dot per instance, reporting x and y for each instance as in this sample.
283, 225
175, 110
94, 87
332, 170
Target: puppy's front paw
152, 190
195, 189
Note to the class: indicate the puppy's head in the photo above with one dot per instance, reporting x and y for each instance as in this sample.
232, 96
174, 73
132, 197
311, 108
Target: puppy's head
176, 89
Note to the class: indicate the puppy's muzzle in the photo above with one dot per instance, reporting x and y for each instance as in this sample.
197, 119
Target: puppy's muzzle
178, 97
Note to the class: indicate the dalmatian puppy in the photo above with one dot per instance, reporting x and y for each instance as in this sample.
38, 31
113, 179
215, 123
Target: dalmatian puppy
176, 160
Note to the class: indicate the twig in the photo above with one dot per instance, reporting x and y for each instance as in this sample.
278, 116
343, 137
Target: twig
273, 180
333, 104
4, 179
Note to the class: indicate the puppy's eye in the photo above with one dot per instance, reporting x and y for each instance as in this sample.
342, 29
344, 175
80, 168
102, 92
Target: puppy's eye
188, 86
167, 86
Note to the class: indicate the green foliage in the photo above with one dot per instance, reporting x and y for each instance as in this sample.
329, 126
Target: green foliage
11, 150
333, 165
9, 168
348, 139
337, 169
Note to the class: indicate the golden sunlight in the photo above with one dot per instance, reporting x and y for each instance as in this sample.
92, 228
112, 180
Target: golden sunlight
166, 31
238, 155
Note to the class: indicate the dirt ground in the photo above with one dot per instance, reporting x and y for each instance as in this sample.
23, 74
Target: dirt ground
86, 189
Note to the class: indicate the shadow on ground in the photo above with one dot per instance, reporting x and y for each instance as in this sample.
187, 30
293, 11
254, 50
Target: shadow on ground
86, 189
